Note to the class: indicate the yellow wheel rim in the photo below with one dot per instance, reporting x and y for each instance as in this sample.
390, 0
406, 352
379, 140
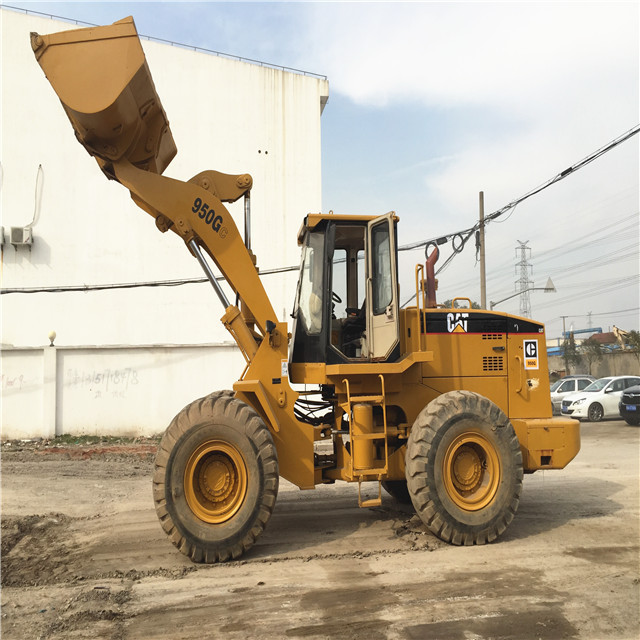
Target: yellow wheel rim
215, 481
471, 471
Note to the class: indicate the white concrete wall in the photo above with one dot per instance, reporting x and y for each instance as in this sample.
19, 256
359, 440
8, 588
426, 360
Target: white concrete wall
226, 115
125, 391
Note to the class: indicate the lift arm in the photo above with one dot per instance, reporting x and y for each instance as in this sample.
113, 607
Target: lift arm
102, 79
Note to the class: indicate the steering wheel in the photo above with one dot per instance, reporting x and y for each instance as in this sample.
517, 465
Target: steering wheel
335, 297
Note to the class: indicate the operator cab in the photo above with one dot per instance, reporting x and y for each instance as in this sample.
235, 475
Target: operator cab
346, 308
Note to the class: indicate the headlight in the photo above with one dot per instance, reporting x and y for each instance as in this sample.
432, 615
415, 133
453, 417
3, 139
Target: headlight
580, 401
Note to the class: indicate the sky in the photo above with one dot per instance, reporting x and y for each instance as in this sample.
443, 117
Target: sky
432, 102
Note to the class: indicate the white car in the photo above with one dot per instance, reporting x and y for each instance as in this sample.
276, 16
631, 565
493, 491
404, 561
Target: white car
599, 400
563, 387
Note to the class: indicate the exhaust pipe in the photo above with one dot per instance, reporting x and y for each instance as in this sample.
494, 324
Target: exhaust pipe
432, 283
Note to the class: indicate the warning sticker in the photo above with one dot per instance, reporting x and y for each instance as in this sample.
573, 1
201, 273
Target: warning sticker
531, 354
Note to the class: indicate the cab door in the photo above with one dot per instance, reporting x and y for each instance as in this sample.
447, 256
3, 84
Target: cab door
382, 288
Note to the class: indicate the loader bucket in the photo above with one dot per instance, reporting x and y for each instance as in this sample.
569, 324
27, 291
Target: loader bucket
102, 79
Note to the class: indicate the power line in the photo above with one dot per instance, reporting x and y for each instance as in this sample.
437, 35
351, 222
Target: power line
618, 313
611, 313
458, 239
131, 285
604, 260
621, 284
501, 273
567, 172
464, 235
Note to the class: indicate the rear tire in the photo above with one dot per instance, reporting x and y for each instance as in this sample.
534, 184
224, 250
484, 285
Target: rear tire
216, 478
397, 489
595, 412
464, 468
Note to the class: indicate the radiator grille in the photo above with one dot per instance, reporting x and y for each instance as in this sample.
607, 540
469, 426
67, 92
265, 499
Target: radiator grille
492, 336
492, 363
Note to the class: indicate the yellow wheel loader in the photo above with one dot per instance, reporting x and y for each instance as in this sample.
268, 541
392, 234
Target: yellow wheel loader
445, 408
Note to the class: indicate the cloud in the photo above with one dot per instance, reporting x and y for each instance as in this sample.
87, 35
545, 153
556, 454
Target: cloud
432, 102
504, 54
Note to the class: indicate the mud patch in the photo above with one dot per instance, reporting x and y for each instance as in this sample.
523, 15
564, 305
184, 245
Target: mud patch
346, 612
134, 450
509, 582
547, 624
101, 607
15, 529
370, 629
417, 535
501, 605
143, 452
33, 549
615, 556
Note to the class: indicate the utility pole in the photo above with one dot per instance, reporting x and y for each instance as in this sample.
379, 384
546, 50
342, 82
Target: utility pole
483, 268
524, 284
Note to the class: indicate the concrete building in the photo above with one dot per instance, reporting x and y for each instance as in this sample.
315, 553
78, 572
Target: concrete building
126, 360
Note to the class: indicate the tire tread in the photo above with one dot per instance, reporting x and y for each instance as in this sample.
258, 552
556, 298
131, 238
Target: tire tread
426, 432
216, 405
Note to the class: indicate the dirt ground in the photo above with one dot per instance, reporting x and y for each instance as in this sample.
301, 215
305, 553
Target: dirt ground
83, 556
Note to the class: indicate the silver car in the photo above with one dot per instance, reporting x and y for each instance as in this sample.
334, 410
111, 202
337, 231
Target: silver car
565, 386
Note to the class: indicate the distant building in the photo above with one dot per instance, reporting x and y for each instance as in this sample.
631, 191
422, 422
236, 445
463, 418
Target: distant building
607, 339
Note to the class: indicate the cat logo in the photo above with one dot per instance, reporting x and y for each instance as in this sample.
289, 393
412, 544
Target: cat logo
457, 322
530, 354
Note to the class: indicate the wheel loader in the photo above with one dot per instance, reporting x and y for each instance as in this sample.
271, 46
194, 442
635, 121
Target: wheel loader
444, 408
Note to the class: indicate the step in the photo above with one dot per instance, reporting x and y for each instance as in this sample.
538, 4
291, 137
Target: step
378, 399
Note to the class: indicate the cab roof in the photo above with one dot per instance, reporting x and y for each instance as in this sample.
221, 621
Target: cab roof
312, 220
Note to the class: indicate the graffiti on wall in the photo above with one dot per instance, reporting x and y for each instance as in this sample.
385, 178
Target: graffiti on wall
111, 383
12, 382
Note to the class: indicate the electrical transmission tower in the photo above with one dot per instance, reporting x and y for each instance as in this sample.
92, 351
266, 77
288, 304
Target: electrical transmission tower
523, 267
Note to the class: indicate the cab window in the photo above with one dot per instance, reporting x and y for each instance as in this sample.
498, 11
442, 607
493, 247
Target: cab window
309, 307
382, 288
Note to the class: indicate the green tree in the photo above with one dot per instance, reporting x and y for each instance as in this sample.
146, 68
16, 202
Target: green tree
460, 304
591, 349
571, 354
633, 340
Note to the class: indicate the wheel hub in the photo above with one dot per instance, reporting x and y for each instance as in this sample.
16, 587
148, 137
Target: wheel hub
467, 469
216, 478
215, 481
471, 471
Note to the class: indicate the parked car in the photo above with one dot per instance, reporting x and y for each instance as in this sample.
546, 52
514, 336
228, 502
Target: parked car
567, 385
599, 400
630, 405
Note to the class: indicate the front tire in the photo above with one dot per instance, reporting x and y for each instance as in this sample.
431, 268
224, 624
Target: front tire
595, 412
464, 468
633, 422
216, 478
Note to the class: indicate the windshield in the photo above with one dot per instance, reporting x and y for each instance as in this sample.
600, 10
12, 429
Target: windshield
555, 385
598, 385
309, 304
